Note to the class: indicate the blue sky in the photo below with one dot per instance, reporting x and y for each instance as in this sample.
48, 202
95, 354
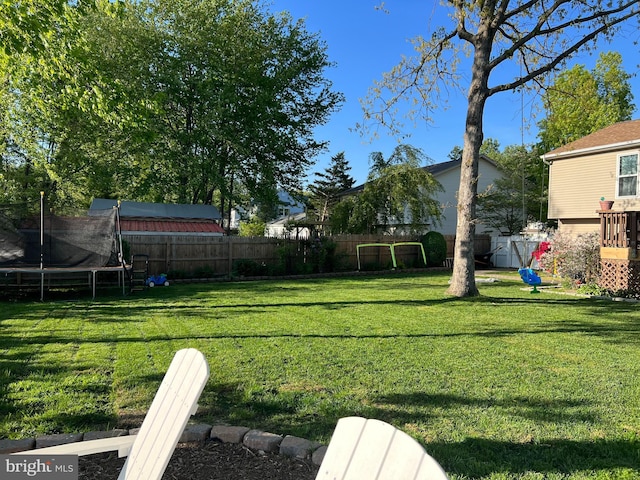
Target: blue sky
365, 42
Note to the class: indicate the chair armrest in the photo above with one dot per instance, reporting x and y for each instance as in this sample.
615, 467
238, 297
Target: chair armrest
120, 444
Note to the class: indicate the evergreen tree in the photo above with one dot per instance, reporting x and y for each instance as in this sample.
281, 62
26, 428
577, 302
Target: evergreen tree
329, 184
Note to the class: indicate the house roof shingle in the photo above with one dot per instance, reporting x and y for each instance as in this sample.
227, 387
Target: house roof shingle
434, 169
618, 135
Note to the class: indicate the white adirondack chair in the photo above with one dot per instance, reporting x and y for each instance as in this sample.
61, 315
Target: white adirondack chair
150, 450
370, 449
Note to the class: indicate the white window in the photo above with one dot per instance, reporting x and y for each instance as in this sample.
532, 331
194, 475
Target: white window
284, 211
628, 175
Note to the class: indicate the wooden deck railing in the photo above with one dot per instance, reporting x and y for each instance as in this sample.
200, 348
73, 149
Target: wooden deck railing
619, 229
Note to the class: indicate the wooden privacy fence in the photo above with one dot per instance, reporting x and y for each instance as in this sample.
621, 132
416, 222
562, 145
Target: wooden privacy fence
216, 256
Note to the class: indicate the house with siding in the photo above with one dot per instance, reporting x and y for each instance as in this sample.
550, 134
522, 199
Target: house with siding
448, 174
605, 164
287, 207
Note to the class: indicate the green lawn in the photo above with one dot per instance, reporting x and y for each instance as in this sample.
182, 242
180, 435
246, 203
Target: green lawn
509, 385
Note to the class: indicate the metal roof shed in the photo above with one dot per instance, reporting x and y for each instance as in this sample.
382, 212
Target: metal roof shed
157, 210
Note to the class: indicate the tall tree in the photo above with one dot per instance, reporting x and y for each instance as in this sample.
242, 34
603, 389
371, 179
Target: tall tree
538, 34
580, 102
398, 194
328, 184
180, 101
241, 91
517, 197
35, 36
27, 26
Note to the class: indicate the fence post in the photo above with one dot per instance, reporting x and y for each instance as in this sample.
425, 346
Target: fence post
230, 252
167, 262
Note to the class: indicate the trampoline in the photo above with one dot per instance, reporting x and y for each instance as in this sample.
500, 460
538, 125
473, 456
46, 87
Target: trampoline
42, 251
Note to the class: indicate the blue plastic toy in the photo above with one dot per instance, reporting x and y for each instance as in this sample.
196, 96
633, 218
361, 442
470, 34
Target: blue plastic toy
530, 278
154, 280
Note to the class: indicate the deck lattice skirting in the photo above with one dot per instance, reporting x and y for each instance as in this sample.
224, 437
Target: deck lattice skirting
619, 251
620, 274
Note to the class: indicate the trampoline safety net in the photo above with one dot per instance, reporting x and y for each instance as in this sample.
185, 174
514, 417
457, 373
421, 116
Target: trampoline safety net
86, 241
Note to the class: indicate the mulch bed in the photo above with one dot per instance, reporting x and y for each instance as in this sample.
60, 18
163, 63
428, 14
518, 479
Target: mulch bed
208, 461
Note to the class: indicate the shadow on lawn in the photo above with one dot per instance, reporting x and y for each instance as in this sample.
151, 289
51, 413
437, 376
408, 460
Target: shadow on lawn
616, 322
36, 407
479, 457
472, 457
538, 410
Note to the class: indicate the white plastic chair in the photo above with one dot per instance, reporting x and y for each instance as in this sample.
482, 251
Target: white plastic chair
370, 449
149, 452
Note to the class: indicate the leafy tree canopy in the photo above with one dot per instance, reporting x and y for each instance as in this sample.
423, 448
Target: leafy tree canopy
519, 196
178, 101
580, 101
398, 195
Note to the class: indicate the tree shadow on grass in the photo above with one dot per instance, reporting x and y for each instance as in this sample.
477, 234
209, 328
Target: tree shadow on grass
479, 457
540, 410
473, 457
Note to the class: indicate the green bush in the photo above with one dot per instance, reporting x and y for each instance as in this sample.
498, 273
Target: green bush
435, 248
178, 274
292, 259
322, 255
252, 228
317, 255
204, 271
245, 267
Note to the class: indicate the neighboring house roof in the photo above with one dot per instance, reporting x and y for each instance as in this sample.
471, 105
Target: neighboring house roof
614, 137
288, 219
175, 226
157, 210
295, 222
434, 169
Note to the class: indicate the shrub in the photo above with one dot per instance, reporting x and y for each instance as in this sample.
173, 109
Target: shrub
252, 228
245, 267
322, 255
293, 259
435, 248
574, 259
317, 255
178, 274
205, 271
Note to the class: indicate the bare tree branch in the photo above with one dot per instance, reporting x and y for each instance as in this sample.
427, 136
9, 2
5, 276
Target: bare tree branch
559, 58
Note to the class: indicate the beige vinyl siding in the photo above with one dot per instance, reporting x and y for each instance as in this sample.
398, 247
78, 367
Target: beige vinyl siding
577, 184
579, 226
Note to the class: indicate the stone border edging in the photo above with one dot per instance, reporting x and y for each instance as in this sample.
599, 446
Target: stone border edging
256, 440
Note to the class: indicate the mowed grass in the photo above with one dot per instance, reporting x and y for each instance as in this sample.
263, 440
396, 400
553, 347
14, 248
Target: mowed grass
506, 386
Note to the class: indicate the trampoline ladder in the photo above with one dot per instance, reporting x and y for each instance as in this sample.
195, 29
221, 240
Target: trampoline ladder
139, 272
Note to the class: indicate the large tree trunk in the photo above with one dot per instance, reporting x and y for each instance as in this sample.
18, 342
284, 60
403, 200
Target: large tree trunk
463, 280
